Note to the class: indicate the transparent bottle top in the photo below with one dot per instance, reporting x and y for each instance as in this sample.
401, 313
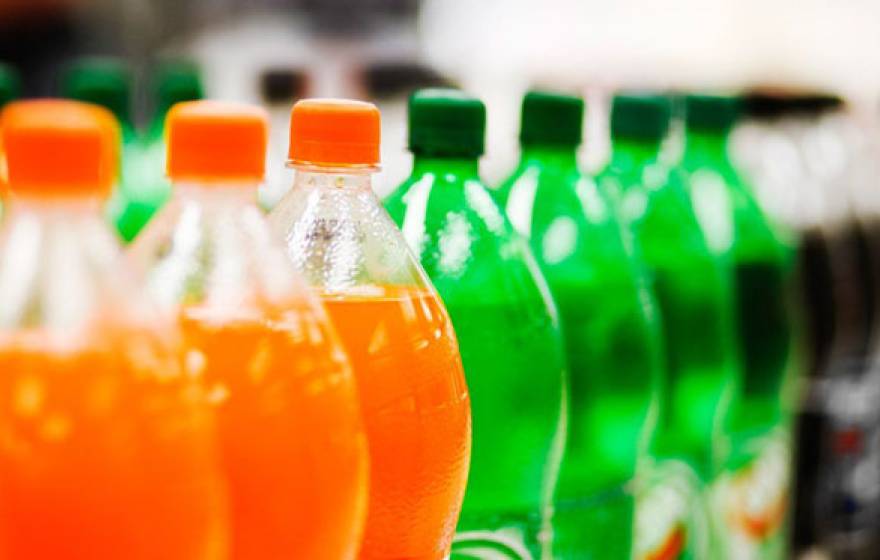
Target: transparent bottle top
211, 248
340, 237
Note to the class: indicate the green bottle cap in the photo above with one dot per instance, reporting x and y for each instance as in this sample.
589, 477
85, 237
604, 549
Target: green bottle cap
640, 116
176, 81
551, 119
446, 122
711, 112
10, 84
102, 81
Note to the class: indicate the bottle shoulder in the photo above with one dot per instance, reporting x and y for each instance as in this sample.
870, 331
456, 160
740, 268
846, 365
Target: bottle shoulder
221, 257
439, 202
340, 239
466, 243
63, 276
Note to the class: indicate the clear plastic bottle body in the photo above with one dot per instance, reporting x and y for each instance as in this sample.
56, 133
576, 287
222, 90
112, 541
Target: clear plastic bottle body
511, 348
108, 448
290, 432
404, 352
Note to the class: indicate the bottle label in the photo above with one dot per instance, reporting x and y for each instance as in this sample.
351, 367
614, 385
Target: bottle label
670, 514
750, 503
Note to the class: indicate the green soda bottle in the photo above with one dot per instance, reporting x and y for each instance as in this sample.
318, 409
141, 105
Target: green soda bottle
693, 290
753, 491
149, 189
611, 334
506, 324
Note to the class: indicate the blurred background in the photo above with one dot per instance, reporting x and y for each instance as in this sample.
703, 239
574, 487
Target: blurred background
809, 71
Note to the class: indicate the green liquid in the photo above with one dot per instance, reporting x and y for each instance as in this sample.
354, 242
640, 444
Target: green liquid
697, 380
764, 335
515, 419
610, 349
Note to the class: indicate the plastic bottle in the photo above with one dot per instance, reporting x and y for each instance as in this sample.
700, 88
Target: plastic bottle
612, 336
147, 188
506, 323
693, 289
107, 449
292, 442
392, 323
738, 230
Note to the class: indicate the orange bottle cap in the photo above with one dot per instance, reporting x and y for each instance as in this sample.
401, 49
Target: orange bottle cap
334, 132
216, 141
59, 147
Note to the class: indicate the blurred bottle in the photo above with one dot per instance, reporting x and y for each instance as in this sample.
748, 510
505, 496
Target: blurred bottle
738, 232
799, 171
107, 449
506, 323
280, 88
694, 296
108, 82
146, 188
611, 333
829, 163
800, 148
10, 88
392, 323
293, 448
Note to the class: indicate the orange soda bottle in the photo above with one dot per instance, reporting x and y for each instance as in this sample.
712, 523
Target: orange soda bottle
293, 446
392, 323
106, 449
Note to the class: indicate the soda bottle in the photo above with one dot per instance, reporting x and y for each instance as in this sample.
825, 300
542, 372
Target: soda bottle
293, 448
612, 337
147, 188
693, 290
10, 86
738, 230
505, 319
392, 323
107, 450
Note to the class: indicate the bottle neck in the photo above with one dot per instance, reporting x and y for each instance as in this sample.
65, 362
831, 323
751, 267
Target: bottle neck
705, 143
467, 167
634, 151
241, 192
354, 179
556, 156
58, 205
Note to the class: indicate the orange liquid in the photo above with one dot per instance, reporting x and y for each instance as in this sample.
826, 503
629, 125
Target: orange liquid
417, 414
104, 456
290, 432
